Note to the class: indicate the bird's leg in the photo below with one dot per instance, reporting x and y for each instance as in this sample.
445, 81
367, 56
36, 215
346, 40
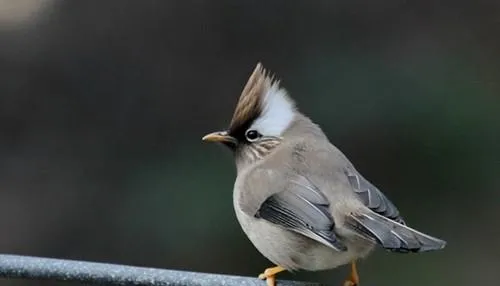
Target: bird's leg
353, 280
269, 275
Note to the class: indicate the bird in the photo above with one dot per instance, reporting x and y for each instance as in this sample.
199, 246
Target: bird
297, 197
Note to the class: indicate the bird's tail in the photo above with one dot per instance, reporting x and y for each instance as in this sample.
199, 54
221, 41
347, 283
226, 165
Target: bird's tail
392, 235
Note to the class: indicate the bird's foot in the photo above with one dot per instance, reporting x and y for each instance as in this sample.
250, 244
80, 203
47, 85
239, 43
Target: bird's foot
350, 283
270, 275
353, 280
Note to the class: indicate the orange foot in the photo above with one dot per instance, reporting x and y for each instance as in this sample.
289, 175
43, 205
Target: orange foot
269, 275
353, 280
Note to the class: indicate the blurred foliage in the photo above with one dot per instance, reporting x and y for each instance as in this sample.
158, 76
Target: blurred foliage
103, 104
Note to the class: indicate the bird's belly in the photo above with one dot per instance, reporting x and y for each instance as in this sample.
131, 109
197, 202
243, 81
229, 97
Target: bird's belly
292, 250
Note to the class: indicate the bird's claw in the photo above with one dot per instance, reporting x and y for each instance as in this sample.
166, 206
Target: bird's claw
270, 281
269, 275
353, 280
350, 283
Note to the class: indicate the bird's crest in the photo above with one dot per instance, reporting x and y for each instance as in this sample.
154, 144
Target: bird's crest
263, 102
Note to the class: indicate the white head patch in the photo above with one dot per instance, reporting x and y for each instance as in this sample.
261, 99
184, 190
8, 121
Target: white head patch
277, 112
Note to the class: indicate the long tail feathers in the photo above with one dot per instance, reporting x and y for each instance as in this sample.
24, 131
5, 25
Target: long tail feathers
392, 235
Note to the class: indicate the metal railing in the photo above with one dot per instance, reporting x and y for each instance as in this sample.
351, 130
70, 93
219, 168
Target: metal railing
38, 268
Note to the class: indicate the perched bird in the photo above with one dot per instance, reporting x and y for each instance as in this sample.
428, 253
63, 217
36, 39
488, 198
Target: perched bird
297, 197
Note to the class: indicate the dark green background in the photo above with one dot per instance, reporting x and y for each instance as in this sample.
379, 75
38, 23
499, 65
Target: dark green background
103, 105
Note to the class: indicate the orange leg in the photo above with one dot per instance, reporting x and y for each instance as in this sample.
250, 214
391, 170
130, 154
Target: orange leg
269, 275
353, 280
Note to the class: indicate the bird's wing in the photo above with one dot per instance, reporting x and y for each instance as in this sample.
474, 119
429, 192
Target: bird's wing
383, 223
372, 197
392, 235
302, 208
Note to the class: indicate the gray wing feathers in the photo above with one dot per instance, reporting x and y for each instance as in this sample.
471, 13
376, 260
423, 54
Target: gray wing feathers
304, 209
392, 235
372, 197
384, 224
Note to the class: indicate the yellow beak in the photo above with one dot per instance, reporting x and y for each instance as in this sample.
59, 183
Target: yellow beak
220, 136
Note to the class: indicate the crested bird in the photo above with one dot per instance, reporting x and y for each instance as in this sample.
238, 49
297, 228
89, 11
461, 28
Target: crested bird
297, 197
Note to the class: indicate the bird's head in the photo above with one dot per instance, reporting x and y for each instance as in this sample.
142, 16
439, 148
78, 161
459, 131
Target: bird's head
261, 118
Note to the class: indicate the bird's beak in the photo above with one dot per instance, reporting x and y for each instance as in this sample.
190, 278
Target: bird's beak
220, 136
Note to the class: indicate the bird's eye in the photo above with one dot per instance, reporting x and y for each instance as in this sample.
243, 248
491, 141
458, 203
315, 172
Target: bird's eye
252, 135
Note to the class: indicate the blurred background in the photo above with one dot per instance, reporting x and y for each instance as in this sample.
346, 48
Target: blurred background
103, 105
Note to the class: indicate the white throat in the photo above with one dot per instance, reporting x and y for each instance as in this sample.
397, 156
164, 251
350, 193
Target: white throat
277, 113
